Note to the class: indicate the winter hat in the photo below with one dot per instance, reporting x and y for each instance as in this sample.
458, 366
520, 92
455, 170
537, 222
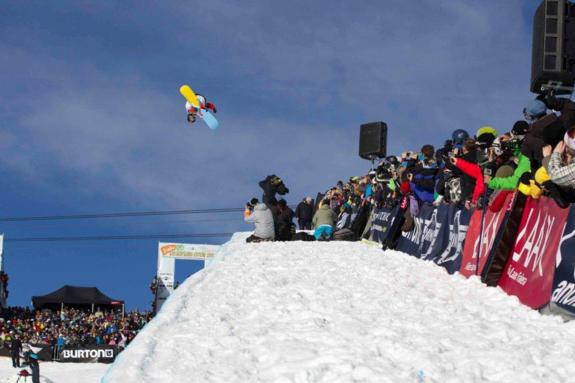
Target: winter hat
570, 141
282, 202
308, 199
553, 134
427, 151
458, 136
520, 128
534, 109
254, 201
486, 136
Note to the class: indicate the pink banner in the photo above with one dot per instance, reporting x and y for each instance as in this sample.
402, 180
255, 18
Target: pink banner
495, 214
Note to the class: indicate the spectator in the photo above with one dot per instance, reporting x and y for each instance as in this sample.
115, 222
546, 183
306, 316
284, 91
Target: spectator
304, 213
323, 221
15, 349
562, 164
271, 186
285, 218
261, 216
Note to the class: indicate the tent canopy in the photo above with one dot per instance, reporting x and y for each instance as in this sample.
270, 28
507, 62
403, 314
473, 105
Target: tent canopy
74, 296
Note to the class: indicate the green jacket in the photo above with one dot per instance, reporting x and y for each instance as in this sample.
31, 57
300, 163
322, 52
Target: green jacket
324, 216
510, 183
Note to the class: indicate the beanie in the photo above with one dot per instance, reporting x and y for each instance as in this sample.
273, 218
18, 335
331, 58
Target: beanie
553, 134
569, 142
535, 108
520, 128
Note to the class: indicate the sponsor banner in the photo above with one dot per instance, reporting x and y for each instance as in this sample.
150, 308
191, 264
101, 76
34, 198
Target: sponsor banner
44, 351
421, 240
564, 281
187, 251
529, 272
382, 220
88, 354
454, 231
491, 226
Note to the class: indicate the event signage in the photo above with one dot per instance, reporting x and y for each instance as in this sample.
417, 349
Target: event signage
455, 225
167, 255
529, 272
477, 244
564, 280
88, 354
187, 251
421, 237
382, 221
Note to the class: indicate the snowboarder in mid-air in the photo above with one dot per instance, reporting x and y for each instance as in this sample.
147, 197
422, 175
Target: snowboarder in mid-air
203, 105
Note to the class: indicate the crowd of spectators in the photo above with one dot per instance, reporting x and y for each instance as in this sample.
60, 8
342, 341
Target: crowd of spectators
536, 156
71, 327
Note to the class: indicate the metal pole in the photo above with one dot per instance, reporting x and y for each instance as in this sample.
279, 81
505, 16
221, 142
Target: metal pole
483, 213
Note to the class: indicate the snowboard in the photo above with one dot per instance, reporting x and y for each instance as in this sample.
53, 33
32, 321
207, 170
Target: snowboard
189, 95
209, 119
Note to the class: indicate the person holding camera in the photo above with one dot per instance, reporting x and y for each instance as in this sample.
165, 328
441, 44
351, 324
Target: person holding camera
261, 216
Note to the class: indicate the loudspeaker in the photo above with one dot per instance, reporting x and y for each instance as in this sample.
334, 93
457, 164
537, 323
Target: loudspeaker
373, 140
553, 54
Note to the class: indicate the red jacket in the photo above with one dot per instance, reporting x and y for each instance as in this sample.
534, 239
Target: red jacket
473, 170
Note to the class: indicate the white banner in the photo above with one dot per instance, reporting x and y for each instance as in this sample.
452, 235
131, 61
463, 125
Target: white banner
167, 255
188, 251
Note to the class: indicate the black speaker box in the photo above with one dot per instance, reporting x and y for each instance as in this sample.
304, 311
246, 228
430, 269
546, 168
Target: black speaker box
373, 140
553, 55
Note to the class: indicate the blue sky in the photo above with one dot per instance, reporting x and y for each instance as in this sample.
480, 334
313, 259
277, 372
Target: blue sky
92, 121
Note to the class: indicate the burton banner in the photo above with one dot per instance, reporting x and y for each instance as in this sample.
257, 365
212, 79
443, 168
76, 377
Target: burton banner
88, 354
528, 274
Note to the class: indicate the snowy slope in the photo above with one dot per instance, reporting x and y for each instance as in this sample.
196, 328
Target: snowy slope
55, 372
342, 312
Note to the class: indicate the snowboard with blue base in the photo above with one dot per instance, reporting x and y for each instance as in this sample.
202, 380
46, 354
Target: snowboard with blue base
209, 119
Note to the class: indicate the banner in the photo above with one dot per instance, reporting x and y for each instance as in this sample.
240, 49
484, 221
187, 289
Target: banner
382, 220
454, 226
88, 354
419, 240
493, 220
44, 351
564, 281
167, 255
529, 272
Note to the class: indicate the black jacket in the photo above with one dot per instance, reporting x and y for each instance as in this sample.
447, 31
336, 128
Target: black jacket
304, 212
284, 223
270, 189
15, 346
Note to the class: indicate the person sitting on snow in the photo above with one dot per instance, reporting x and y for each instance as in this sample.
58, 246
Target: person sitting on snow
261, 216
324, 220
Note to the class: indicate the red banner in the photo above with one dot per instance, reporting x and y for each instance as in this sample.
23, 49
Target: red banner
529, 272
493, 218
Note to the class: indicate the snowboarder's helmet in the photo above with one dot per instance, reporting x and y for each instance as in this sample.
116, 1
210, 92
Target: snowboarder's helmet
459, 136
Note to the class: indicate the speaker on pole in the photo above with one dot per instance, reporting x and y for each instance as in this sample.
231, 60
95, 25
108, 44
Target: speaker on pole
373, 140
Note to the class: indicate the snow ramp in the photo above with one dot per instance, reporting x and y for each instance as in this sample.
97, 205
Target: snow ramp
342, 312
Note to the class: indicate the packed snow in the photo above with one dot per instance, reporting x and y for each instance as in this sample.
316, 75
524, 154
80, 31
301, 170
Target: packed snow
55, 372
342, 312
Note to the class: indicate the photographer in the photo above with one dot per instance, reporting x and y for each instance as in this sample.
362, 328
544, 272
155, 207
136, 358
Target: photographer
512, 164
261, 216
271, 186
